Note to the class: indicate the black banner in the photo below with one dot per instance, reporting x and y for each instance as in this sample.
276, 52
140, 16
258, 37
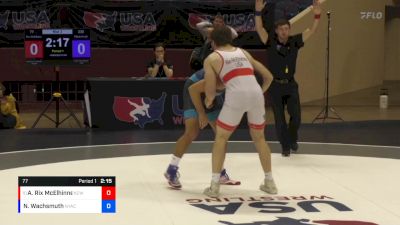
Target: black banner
16, 16
127, 23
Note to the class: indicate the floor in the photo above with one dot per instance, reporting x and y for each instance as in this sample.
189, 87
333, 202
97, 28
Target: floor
317, 186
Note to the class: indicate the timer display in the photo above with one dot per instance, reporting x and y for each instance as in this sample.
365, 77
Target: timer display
57, 46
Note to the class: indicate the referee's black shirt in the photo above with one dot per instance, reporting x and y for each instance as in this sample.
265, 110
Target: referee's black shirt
282, 57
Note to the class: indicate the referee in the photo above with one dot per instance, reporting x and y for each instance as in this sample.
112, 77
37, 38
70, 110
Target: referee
282, 49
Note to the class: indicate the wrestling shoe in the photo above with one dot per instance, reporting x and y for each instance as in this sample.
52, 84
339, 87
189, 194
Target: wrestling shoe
225, 180
269, 187
172, 176
213, 190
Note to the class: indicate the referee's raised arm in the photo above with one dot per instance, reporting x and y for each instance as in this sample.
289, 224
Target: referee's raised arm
262, 33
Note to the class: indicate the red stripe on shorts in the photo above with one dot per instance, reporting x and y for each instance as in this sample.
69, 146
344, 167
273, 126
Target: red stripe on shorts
225, 126
257, 126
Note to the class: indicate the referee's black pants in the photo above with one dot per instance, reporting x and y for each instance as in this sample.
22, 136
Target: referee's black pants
282, 95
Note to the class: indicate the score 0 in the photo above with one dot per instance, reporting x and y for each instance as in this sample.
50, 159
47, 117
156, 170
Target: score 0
34, 49
81, 49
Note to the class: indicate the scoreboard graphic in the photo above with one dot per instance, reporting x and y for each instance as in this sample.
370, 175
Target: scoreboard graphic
57, 46
66, 195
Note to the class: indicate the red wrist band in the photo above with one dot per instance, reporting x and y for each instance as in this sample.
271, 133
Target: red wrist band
317, 17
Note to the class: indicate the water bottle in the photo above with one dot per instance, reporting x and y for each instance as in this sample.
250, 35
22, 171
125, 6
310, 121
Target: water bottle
384, 98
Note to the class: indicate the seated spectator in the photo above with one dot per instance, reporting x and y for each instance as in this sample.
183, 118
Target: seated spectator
9, 117
159, 67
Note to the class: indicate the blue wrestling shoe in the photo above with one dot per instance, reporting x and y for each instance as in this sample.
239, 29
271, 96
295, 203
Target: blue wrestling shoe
172, 176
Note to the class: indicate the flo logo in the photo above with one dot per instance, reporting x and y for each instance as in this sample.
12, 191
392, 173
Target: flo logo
371, 15
291, 221
139, 110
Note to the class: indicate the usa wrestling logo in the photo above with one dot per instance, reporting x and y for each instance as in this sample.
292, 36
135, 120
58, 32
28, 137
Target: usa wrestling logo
139, 110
